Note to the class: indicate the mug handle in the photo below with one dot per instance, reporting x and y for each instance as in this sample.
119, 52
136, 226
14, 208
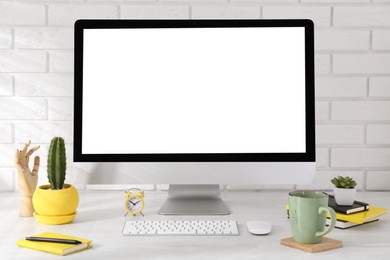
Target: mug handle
332, 220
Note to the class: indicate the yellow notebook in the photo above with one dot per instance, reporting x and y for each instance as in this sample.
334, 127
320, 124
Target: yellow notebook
56, 248
362, 217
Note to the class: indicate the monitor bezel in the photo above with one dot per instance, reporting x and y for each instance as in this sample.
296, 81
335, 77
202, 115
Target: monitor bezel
308, 156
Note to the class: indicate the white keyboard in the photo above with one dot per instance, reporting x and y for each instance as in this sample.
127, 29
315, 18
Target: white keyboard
180, 227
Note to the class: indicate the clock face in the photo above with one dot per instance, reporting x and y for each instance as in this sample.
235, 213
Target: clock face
134, 204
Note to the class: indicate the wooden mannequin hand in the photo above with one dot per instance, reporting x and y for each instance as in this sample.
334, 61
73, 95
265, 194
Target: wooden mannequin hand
27, 179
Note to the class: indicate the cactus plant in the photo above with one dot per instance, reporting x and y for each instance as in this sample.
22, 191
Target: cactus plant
56, 163
344, 182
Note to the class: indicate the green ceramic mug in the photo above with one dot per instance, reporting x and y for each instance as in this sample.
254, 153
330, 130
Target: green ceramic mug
308, 216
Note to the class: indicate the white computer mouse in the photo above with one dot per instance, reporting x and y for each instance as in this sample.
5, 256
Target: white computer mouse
258, 227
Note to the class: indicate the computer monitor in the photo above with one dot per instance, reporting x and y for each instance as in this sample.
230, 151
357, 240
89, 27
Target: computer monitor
194, 102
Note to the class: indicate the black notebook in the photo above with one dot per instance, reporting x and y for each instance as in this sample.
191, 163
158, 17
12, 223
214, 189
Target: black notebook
357, 206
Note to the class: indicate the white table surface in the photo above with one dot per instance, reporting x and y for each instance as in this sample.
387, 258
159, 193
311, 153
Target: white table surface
101, 218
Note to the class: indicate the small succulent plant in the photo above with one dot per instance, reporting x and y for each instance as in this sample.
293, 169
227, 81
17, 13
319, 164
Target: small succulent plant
344, 182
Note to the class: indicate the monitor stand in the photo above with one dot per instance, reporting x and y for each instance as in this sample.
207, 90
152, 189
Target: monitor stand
194, 200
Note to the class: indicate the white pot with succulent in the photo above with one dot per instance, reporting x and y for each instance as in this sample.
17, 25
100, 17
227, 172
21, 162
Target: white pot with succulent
344, 190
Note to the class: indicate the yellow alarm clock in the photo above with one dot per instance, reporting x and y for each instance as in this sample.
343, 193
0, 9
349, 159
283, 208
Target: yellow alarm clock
134, 201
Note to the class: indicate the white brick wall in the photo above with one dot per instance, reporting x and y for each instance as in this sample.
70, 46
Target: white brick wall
61, 61
361, 110
17, 108
340, 134
378, 134
341, 86
342, 40
322, 64
5, 38
321, 15
23, 61
6, 85
44, 84
154, 11
236, 12
59, 14
352, 42
361, 15
360, 157
43, 38
379, 87
12, 13
381, 39
366, 63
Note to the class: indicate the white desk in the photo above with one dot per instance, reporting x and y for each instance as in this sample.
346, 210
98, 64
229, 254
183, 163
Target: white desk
101, 219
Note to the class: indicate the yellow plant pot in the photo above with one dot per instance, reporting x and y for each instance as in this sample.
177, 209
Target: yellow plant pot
54, 203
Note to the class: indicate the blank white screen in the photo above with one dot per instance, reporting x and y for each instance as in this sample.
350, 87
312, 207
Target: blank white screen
194, 90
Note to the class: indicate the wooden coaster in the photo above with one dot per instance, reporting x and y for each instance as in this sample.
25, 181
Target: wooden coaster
326, 244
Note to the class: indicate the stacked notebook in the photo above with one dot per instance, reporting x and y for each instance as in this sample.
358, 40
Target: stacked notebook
357, 214
350, 216
56, 248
